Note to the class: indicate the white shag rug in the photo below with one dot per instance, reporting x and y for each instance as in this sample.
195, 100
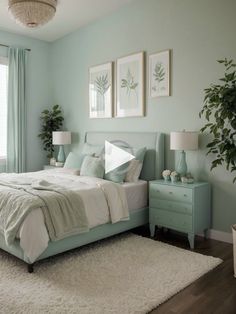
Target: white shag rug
124, 274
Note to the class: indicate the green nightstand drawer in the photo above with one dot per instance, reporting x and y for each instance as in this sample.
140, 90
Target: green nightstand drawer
172, 220
179, 207
172, 193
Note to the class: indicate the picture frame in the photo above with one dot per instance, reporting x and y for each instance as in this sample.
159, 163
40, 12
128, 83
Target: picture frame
101, 91
130, 86
159, 74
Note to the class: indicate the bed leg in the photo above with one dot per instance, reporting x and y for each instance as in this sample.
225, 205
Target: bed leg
30, 268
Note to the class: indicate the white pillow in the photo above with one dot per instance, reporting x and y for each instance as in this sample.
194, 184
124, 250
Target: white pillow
133, 173
72, 171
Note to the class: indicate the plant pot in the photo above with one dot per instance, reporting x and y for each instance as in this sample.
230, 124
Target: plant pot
234, 247
174, 179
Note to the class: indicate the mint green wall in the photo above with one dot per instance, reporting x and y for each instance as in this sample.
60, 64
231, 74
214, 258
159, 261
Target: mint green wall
38, 91
198, 32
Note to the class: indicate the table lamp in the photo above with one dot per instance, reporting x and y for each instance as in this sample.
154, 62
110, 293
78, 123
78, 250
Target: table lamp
183, 141
61, 138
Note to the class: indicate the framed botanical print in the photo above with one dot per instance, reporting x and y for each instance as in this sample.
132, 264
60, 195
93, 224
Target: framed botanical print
159, 74
130, 86
101, 91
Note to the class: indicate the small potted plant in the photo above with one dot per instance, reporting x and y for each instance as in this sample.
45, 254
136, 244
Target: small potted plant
166, 175
174, 176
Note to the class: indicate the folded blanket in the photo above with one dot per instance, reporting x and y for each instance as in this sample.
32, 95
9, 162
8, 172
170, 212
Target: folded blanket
116, 199
63, 209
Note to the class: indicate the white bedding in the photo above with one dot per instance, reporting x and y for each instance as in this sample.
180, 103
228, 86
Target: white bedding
137, 194
33, 234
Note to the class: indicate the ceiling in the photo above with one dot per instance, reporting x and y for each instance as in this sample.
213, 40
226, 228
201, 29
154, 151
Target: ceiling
70, 15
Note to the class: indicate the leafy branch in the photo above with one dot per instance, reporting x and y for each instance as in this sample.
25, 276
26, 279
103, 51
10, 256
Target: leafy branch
129, 83
159, 72
220, 112
102, 84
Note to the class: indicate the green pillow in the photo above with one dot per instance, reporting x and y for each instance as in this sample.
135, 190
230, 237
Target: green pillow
139, 153
118, 175
74, 161
92, 167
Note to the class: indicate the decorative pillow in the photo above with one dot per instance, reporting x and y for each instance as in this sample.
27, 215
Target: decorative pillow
92, 167
74, 161
139, 153
135, 168
72, 171
119, 174
89, 149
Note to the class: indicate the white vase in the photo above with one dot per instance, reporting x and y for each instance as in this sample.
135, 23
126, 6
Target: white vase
52, 161
234, 247
174, 179
166, 178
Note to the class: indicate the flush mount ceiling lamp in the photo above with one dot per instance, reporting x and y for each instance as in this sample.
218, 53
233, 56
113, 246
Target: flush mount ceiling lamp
32, 13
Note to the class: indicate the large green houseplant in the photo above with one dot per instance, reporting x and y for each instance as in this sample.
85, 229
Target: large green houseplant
51, 120
220, 112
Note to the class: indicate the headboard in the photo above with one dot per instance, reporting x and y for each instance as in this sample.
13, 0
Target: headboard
154, 142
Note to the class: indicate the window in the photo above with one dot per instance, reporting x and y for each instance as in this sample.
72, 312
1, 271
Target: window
3, 108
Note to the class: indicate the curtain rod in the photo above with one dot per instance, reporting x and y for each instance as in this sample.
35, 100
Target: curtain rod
9, 46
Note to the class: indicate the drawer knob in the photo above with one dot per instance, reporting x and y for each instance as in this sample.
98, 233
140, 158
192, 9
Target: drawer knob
170, 192
185, 195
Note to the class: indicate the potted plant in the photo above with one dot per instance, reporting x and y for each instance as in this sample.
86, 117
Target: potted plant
51, 120
220, 112
166, 174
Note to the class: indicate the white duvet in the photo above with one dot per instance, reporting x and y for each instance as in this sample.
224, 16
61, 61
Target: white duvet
103, 203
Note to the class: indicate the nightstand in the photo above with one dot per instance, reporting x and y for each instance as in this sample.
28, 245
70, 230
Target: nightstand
182, 207
47, 167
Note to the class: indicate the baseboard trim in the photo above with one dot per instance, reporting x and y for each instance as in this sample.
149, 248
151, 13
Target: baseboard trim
220, 236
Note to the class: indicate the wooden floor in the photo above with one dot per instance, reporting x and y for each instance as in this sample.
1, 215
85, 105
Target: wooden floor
215, 292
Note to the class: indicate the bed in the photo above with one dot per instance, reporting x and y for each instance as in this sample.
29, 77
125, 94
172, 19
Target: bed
138, 208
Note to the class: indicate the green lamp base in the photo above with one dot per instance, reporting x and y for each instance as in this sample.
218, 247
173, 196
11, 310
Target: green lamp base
182, 165
61, 154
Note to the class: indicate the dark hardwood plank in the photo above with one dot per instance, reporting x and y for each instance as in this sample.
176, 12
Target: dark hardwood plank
214, 292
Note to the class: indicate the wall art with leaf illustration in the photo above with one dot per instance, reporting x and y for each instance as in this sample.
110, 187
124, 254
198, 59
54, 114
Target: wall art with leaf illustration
159, 74
130, 86
100, 91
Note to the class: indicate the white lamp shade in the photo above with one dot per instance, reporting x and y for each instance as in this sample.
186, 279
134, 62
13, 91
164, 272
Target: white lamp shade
184, 140
61, 138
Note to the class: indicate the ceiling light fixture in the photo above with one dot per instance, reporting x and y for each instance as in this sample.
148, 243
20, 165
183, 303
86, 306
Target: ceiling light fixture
32, 13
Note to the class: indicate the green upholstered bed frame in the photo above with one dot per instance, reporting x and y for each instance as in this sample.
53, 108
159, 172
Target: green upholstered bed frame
152, 168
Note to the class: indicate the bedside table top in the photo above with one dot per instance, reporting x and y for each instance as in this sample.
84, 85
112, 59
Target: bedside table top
179, 184
51, 167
